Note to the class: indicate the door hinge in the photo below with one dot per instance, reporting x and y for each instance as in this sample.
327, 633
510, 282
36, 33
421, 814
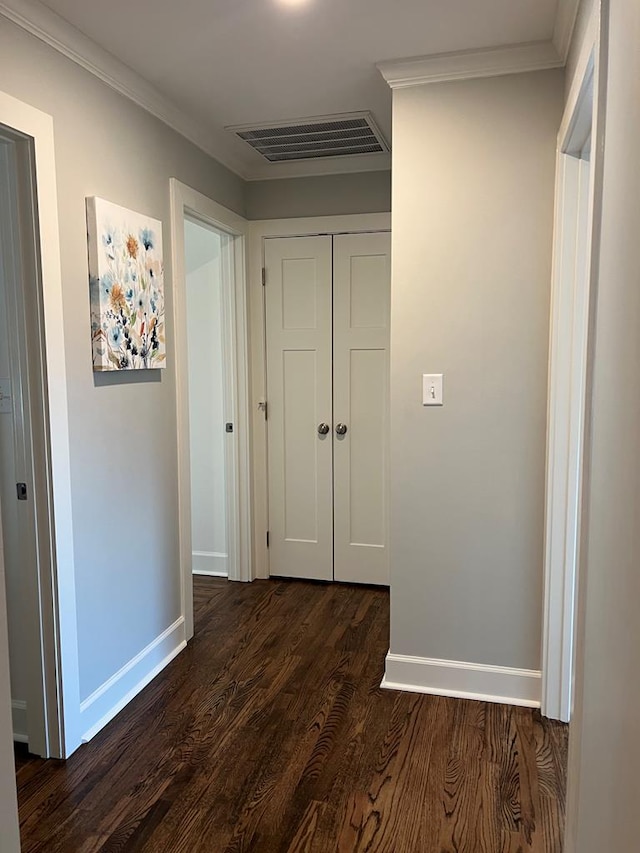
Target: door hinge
267, 538
264, 276
263, 406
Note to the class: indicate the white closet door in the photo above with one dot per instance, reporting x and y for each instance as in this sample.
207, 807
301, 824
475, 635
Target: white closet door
361, 293
298, 312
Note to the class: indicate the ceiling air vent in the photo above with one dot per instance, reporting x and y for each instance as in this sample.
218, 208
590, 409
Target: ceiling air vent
312, 138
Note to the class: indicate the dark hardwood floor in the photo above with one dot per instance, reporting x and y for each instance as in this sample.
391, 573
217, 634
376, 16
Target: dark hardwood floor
269, 733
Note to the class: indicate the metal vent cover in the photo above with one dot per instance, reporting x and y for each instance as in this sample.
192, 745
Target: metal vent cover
312, 138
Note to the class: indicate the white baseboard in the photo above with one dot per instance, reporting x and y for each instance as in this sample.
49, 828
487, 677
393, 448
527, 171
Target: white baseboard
111, 697
19, 717
463, 680
210, 563
204, 574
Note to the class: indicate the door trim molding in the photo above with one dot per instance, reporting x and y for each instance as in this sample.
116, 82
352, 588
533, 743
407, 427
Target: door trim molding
462, 680
185, 200
19, 719
259, 231
58, 598
565, 466
470, 64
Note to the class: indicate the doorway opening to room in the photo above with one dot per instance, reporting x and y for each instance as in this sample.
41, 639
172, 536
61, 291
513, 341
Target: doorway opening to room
211, 380
209, 260
26, 508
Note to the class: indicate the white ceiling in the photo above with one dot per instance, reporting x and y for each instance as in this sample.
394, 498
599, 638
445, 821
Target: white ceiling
228, 62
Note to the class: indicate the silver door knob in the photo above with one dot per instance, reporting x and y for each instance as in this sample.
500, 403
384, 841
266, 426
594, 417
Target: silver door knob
323, 429
341, 429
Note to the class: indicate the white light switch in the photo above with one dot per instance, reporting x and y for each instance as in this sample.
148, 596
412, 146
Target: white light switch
432, 389
6, 403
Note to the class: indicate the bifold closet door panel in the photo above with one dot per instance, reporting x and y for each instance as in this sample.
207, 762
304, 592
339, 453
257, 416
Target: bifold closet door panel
361, 309
298, 298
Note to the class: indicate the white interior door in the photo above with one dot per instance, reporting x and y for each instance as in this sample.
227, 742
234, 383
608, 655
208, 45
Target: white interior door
298, 330
361, 299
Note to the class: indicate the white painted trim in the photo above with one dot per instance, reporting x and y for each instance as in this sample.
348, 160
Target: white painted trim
19, 718
212, 563
567, 389
206, 574
586, 58
258, 232
184, 199
462, 680
59, 585
351, 223
108, 685
107, 700
217, 554
565, 24
470, 64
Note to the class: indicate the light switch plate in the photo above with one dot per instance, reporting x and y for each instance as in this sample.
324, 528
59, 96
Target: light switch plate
432, 391
6, 403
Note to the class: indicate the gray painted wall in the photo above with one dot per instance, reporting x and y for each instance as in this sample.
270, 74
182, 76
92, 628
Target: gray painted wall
603, 809
326, 195
122, 427
473, 172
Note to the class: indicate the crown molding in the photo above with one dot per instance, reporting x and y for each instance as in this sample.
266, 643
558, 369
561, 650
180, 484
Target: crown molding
55, 31
564, 27
469, 64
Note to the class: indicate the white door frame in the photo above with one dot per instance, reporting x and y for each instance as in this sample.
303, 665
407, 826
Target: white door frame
186, 201
258, 232
568, 366
56, 564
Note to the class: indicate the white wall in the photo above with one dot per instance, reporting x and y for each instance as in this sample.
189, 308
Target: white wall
15, 589
604, 756
473, 187
206, 397
122, 427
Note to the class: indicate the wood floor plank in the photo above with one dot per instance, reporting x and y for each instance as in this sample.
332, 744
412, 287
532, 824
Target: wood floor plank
270, 734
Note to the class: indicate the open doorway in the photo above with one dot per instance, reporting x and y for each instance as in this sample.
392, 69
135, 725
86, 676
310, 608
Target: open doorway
37, 421
24, 458
210, 321
208, 255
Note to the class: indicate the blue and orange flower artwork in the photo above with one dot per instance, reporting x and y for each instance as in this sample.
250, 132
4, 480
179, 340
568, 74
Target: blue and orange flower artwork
126, 288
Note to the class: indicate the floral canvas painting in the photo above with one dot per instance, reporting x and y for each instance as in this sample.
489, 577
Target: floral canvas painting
126, 288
